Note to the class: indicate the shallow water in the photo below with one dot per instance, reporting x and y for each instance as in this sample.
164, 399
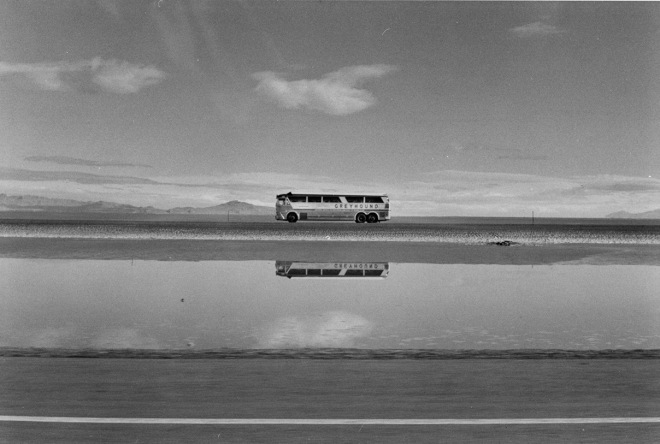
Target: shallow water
147, 304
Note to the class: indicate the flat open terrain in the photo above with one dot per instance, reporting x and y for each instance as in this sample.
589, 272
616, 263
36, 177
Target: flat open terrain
335, 389
423, 243
526, 400
477, 234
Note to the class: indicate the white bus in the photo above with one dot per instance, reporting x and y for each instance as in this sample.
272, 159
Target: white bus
293, 269
360, 208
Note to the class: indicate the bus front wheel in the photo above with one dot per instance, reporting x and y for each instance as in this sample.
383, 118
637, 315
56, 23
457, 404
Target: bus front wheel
292, 217
361, 218
372, 218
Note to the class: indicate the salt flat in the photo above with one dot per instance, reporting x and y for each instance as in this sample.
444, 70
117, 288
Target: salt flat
471, 234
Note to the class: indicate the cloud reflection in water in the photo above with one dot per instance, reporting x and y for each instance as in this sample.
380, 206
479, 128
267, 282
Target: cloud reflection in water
330, 329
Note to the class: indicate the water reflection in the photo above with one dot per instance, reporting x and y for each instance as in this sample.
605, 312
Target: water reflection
242, 304
296, 269
330, 329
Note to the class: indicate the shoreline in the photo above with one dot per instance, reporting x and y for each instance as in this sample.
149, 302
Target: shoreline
324, 251
328, 242
330, 354
332, 232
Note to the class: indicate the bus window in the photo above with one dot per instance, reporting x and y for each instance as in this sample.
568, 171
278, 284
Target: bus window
297, 272
313, 272
331, 272
313, 198
353, 273
354, 199
373, 199
297, 198
332, 199
373, 272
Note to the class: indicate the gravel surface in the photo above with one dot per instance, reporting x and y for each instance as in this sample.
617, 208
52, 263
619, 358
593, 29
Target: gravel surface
506, 235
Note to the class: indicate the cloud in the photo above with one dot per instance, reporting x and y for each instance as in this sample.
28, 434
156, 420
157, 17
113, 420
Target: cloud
514, 155
536, 29
621, 184
500, 194
331, 329
96, 75
16, 174
65, 160
492, 151
335, 93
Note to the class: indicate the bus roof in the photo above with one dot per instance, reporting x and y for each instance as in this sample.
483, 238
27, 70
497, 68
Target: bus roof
329, 194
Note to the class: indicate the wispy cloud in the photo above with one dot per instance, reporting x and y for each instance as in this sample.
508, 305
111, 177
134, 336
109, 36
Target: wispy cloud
336, 93
519, 155
15, 174
536, 29
65, 160
96, 75
496, 152
502, 194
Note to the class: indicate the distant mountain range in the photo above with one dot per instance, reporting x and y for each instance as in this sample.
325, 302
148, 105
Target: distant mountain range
653, 214
43, 204
233, 207
37, 203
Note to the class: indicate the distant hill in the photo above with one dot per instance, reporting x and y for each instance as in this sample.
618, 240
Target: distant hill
233, 207
38, 204
653, 214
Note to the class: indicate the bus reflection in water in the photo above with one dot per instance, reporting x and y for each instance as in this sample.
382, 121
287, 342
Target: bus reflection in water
347, 270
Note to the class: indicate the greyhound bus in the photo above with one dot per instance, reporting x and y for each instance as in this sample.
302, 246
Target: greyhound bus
359, 208
294, 269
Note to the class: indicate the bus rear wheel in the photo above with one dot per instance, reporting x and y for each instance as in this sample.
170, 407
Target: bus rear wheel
372, 218
292, 217
361, 218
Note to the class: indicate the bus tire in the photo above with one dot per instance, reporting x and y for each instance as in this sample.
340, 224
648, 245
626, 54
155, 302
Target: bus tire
361, 218
292, 217
372, 218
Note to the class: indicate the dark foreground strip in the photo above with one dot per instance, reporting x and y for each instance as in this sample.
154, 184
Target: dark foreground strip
329, 353
322, 421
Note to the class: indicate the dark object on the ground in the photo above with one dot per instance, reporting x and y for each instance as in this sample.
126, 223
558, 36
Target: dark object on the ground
504, 243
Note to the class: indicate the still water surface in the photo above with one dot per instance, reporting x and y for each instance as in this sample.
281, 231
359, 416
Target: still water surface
253, 304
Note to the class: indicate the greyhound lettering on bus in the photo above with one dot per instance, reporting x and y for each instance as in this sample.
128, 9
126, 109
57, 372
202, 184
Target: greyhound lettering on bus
358, 266
356, 206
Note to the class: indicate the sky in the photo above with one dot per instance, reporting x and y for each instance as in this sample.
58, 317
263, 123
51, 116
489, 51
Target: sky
451, 108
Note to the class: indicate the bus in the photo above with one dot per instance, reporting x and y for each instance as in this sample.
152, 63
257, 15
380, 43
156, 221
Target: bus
293, 269
360, 208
